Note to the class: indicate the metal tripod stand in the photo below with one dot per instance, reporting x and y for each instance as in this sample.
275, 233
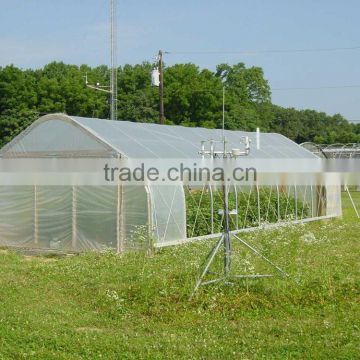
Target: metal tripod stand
226, 236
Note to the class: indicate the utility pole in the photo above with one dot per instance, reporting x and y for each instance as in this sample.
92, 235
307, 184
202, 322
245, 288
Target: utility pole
161, 88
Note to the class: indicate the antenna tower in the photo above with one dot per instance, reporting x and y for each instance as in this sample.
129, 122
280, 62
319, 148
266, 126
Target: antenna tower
111, 89
113, 60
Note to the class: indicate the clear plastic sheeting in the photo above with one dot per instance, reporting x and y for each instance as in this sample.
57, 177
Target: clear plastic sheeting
17, 214
53, 212
95, 217
135, 222
117, 216
56, 137
168, 205
74, 218
143, 140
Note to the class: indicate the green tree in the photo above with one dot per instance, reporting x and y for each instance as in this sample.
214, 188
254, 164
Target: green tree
13, 122
137, 100
193, 97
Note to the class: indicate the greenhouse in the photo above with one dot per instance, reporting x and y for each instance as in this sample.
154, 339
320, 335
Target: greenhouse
119, 217
334, 151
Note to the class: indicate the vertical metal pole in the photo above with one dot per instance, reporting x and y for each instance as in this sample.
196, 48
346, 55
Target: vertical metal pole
150, 226
296, 202
278, 202
36, 219
268, 205
203, 149
223, 120
258, 203
212, 208
118, 214
121, 239
312, 201
319, 200
304, 202
74, 219
161, 89
227, 243
287, 202
237, 208
113, 61
247, 206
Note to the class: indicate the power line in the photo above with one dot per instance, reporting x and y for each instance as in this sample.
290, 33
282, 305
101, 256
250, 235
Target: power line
218, 91
318, 87
269, 51
208, 90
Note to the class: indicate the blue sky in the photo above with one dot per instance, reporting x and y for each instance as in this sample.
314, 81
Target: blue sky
35, 32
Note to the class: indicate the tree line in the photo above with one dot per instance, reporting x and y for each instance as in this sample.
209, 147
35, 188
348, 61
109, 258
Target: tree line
192, 97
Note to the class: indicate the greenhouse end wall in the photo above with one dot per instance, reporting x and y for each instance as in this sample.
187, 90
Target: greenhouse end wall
70, 218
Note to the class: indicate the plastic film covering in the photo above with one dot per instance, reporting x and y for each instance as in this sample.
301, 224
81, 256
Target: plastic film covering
56, 137
75, 218
333, 201
114, 217
135, 222
144, 140
17, 215
95, 216
54, 217
60, 133
168, 205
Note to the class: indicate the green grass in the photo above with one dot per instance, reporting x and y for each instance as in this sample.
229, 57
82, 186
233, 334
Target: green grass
136, 306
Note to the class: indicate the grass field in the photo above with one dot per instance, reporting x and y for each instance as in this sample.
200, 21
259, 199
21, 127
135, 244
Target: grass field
136, 306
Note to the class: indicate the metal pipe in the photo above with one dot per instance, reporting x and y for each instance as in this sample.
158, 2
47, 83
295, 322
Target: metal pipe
74, 219
237, 207
113, 62
36, 219
227, 242
258, 203
212, 208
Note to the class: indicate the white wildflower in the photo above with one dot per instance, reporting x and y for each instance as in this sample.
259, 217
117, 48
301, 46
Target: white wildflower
308, 238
